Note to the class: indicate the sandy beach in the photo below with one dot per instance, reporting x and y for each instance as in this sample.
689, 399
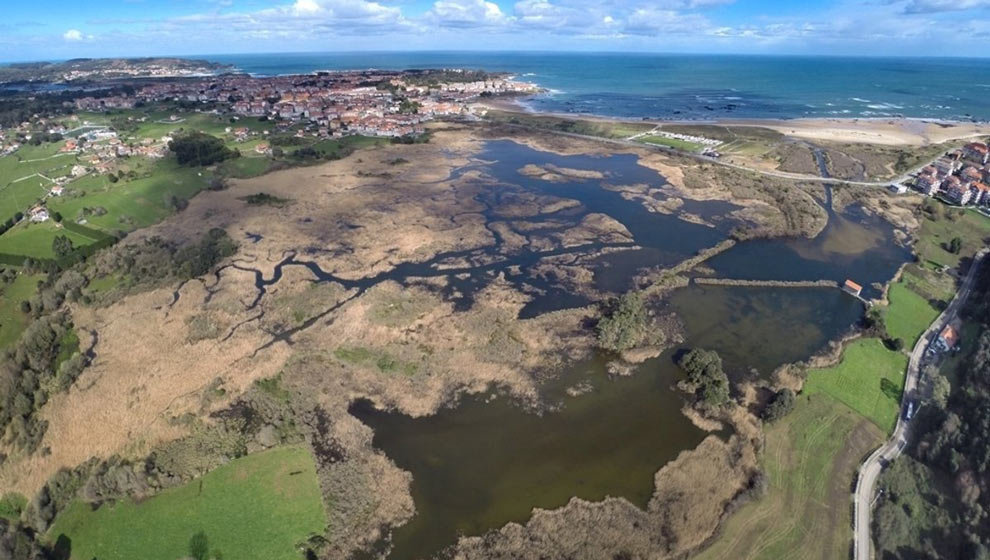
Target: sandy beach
871, 131
885, 131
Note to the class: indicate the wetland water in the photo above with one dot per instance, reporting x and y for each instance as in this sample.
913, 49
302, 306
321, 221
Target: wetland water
486, 461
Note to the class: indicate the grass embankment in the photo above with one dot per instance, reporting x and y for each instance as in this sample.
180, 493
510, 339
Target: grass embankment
811, 456
259, 506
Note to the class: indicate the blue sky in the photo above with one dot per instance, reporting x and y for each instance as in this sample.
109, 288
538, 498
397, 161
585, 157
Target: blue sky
58, 29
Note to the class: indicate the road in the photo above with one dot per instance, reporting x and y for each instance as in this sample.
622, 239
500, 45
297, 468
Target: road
723, 163
867, 480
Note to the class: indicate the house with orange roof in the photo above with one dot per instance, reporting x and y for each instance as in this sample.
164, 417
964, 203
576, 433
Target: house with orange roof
852, 287
976, 152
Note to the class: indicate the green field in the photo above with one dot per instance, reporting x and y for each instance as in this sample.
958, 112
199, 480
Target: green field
35, 239
12, 320
972, 227
20, 184
131, 204
675, 143
260, 506
908, 314
869, 379
810, 459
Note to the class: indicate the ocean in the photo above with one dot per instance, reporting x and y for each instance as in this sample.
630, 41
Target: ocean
676, 86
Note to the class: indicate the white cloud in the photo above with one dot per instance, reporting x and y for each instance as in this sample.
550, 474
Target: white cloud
73, 35
466, 13
651, 21
304, 7
933, 6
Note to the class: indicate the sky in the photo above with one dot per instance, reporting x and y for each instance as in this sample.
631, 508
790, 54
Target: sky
61, 29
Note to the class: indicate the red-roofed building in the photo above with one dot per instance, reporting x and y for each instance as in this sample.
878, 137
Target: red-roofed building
947, 339
852, 287
976, 152
928, 183
980, 193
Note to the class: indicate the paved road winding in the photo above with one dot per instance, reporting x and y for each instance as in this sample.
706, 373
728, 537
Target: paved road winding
870, 470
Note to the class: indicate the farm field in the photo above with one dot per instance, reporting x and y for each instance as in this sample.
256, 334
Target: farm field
869, 379
258, 506
810, 457
12, 319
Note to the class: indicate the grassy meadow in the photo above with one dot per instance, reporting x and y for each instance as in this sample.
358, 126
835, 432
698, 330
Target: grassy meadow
810, 458
909, 313
969, 225
12, 320
869, 380
259, 506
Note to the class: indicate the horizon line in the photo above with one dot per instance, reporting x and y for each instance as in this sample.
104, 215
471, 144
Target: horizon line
205, 56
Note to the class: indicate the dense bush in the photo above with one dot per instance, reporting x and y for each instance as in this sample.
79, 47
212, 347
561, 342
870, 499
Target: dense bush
30, 373
705, 379
157, 261
780, 404
623, 324
197, 148
20, 543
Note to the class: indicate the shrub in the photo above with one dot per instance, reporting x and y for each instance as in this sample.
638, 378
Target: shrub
779, 406
624, 324
705, 376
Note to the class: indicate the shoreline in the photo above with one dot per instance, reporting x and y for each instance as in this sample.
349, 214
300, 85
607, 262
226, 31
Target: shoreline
863, 130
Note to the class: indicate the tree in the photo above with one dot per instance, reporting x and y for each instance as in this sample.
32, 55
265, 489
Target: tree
706, 379
781, 403
25, 306
62, 246
197, 148
624, 324
57, 216
895, 344
941, 388
955, 245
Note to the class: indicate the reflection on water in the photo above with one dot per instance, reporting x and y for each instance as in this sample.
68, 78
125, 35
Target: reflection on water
762, 328
480, 465
853, 245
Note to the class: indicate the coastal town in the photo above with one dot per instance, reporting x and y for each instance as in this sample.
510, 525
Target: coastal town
329, 104
959, 177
